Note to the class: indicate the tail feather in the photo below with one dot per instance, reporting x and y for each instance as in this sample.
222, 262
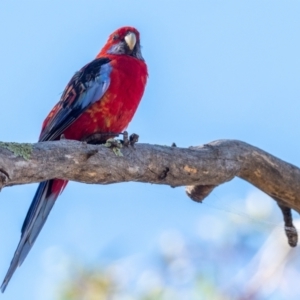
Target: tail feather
36, 217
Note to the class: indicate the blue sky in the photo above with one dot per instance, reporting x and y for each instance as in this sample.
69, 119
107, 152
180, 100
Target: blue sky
217, 70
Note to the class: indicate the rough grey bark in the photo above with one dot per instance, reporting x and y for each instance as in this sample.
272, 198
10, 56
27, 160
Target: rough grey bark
200, 168
208, 165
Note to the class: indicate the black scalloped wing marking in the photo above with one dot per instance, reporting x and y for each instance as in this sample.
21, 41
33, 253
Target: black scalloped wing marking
85, 88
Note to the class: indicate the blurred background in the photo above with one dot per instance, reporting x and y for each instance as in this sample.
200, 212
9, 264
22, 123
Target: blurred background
217, 70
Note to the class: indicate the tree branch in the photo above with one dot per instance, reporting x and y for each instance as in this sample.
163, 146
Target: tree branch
200, 168
208, 165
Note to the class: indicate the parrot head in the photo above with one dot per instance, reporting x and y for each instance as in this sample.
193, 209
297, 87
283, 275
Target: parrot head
123, 41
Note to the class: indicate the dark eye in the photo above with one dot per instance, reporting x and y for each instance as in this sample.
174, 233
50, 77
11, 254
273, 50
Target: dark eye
115, 37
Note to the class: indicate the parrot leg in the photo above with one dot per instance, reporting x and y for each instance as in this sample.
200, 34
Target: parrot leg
126, 141
129, 141
134, 138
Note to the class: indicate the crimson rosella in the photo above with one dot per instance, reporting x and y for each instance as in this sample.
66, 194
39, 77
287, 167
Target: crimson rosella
100, 98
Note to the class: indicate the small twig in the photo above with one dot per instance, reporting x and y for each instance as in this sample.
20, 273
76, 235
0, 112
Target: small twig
199, 192
290, 230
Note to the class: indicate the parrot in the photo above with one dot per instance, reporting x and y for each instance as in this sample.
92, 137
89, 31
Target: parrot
101, 97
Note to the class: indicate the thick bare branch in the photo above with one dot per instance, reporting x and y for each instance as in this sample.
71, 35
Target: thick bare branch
200, 168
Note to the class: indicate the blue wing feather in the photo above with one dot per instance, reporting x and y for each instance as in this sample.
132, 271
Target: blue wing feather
85, 88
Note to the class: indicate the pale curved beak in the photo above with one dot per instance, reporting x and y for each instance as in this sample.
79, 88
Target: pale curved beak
130, 40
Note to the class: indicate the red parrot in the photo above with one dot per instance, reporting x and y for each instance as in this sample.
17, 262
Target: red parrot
100, 98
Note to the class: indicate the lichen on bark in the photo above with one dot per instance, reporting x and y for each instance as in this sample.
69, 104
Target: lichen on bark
23, 150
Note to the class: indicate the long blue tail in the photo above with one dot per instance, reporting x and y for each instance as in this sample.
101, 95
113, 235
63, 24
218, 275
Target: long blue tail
36, 217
